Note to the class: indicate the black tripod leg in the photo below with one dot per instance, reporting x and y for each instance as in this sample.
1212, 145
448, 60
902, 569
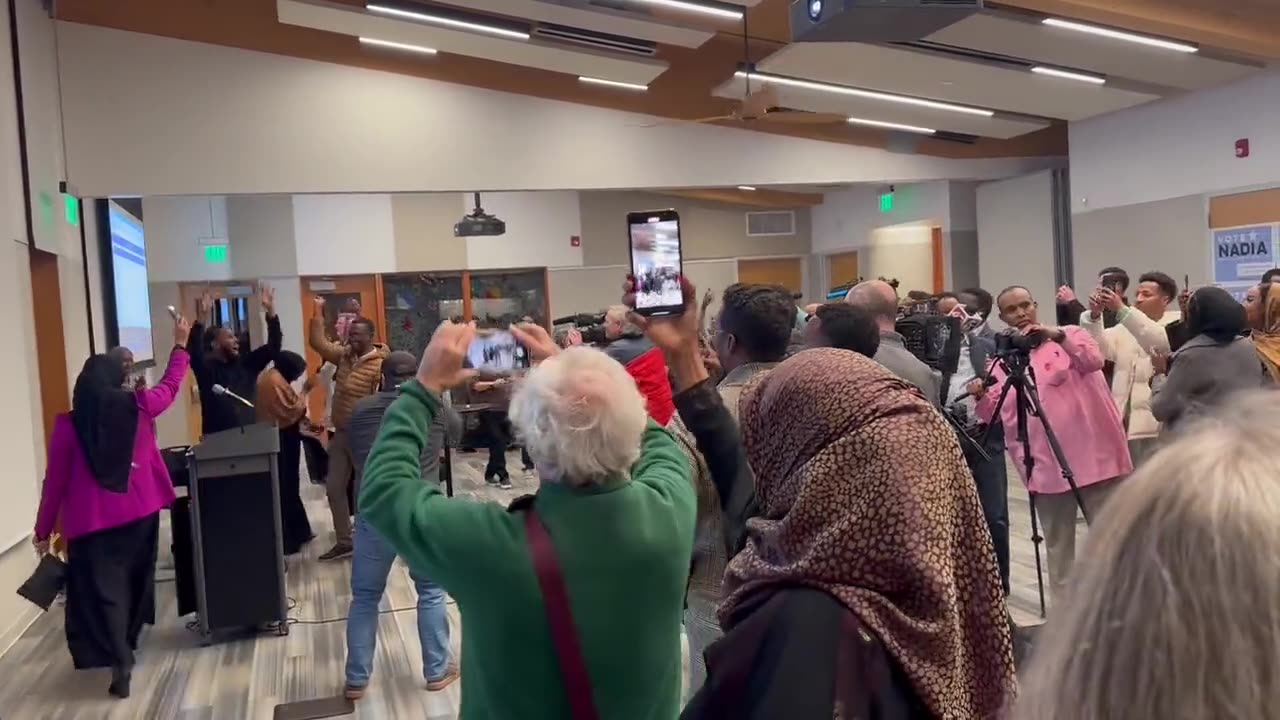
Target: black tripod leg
1033, 398
1036, 539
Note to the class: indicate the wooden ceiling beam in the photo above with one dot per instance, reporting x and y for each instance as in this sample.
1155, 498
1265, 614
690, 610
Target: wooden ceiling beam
760, 198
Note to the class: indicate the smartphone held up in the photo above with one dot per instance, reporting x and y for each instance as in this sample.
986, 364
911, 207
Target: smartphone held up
656, 262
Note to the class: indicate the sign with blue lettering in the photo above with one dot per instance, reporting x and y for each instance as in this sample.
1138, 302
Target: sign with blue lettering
1241, 255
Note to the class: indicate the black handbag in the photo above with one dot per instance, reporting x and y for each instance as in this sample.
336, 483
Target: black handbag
46, 582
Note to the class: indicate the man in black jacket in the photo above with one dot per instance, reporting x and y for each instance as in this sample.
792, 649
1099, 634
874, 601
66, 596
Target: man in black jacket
216, 360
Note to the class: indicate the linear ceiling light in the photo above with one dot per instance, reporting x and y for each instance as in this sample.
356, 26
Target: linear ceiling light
893, 126
1121, 35
397, 46
612, 83
746, 188
870, 94
717, 11
1069, 75
447, 22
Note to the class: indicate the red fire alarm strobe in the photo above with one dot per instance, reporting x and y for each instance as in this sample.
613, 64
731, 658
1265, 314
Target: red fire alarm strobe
575, 241
1242, 148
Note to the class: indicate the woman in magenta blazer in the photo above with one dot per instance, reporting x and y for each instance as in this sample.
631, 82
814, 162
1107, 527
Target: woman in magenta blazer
107, 481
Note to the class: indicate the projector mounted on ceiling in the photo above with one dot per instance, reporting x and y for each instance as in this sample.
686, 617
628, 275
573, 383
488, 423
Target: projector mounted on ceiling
875, 21
479, 223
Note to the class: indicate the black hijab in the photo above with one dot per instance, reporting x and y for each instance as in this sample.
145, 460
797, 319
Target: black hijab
290, 365
1212, 312
105, 417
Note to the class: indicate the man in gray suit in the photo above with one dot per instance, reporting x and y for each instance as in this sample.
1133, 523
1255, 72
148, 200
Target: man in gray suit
880, 299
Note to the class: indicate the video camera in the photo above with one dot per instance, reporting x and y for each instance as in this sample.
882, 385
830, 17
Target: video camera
589, 325
1011, 343
935, 339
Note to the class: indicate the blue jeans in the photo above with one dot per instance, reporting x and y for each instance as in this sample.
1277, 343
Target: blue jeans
370, 564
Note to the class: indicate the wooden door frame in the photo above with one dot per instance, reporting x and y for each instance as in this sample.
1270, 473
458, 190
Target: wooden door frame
51, 344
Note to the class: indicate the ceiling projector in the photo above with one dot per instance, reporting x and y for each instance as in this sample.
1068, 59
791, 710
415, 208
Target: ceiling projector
479, 223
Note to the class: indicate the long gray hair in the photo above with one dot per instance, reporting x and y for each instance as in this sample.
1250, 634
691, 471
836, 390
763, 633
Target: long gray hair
1173, 613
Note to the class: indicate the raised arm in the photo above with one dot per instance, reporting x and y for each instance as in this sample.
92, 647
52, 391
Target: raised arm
716, 434
1152, 337
152, 402
664, 469
265, 354
1092, 324
195, 340
57, 473
327, 350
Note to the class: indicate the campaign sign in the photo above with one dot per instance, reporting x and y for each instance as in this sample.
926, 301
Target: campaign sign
1241, 255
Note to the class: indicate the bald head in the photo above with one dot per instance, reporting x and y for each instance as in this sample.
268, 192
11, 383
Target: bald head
398, 368
879, 299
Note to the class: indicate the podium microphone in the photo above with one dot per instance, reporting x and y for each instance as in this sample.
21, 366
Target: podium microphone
222, 390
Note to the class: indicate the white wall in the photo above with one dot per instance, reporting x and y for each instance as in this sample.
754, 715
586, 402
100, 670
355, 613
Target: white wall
539, 228
222, 120
1178, 147
260, 230
846, 219
904, 252
1015, 237
343, 234
174, 227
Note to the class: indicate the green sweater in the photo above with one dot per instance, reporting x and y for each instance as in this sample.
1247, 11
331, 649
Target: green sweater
624, 547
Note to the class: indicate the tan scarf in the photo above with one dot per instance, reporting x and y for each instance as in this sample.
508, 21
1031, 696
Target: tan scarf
1267, 340
276, 401
864, 493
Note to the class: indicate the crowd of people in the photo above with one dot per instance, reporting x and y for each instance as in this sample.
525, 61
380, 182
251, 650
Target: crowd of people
782, 487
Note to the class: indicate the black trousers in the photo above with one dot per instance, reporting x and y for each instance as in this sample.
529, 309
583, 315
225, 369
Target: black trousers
111, 592
497, 436
992, 479
293, 515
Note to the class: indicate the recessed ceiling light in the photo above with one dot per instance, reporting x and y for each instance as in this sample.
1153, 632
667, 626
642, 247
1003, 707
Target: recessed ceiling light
612, 83
1121, 35
870, 94
893, 126
716, 10
746, 188
448, 22
1069, 75
397, 46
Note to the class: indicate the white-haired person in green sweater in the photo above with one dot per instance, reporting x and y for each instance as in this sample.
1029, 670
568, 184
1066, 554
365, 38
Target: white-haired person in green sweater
615, 497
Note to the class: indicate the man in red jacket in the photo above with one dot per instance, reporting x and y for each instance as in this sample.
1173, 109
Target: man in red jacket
643, 361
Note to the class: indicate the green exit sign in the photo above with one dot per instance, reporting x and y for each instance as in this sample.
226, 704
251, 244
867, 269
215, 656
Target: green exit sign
886, 202
215, 253
71, 210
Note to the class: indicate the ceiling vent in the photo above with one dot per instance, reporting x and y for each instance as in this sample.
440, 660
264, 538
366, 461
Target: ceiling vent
596, 40
771, 223
875, 21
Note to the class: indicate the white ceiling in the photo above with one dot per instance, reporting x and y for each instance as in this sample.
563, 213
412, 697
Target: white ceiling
531, 53
1000, 126
937, 77
1028, 39
595, 18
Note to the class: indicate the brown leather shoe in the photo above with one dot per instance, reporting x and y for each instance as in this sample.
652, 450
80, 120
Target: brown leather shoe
351, 692
450, 676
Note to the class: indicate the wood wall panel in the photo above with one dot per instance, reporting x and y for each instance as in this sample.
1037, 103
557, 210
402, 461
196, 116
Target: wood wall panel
1253, 208
787, 272
842, 268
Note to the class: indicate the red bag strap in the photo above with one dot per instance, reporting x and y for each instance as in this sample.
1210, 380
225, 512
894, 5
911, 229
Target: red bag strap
577, 683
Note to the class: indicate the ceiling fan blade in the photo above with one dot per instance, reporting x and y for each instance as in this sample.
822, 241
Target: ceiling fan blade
802, 117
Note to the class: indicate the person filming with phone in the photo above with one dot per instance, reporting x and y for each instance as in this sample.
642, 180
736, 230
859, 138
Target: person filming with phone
1065, 364
1140, 333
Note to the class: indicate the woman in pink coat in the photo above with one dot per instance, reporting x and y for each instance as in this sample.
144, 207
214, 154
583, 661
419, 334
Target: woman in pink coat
108, 482
1076, 401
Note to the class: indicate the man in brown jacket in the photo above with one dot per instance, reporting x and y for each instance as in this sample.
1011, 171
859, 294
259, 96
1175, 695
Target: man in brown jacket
359, 375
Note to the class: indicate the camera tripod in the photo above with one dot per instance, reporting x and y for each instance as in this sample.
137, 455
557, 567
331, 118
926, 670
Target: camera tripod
1021, 379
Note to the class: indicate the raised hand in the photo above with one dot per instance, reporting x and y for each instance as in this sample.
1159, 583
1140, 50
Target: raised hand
181, 330
441, 366
204, 305
1096, 306
318, 303
1184, 302
1110, 299
267, 296
536, 340
675, 334
1066, 295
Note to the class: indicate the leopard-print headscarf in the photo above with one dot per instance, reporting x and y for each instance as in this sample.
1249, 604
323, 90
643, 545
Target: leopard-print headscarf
864, 493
